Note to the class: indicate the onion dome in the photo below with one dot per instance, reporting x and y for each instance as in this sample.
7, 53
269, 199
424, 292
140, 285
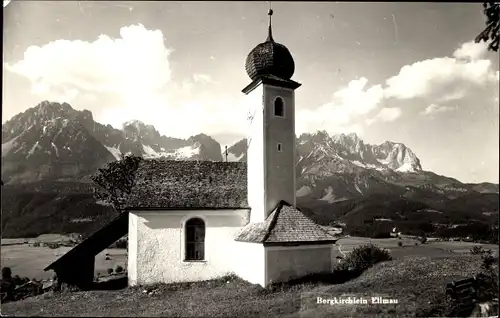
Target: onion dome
270, 58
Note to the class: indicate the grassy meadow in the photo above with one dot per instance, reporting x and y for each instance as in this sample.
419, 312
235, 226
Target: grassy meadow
416, 277
28, 261
416, 282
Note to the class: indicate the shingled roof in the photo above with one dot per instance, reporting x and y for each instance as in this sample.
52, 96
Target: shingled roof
286, 224
189, 184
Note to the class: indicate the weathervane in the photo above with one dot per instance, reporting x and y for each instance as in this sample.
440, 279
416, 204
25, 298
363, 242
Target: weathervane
270, 13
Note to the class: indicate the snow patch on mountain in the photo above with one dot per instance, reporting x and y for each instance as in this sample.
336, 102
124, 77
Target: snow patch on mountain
55, 148
232, 158
406, 167
359, 164
303, 191
33, 149
114, 151
188, 151
149, 152
357, 188
8, 146
330, 196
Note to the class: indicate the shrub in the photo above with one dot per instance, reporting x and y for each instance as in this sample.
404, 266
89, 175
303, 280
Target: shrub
488, 260
380, 234
488, 276
110, 271
6, 273
118, 269
364, 257
400, 243
477, 250
17, 280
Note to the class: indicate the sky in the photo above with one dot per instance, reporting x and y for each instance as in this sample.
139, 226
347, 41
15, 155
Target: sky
404, 72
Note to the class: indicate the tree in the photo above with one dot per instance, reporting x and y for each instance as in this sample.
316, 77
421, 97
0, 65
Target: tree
491, 32
116, 181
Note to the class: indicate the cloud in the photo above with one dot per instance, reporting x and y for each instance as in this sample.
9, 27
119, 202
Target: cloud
203, 78
471, 51
355, 99
433, 108
435, 77
351, 101
436, 80
126, 78
385, 115
137, 61
130, 77
454, 95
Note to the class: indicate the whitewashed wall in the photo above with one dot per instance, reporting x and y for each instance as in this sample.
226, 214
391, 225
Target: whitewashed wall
132, 249
250, 262
286, 263
256, 172
159, 238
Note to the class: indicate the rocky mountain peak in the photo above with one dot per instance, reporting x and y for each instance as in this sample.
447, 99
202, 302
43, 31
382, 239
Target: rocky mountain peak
210, 147
344, 153
137, 130
237, 152
35, 117
350, 143
52, 136
48, 105
54, 126
318, 136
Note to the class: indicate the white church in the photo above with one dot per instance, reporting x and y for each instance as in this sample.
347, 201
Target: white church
199, 220
263, 240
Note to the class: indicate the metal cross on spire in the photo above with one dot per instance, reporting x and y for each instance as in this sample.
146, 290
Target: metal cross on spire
270, 33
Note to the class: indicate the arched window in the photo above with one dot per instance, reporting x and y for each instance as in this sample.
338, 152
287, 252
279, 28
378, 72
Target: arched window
195, 240
279, 107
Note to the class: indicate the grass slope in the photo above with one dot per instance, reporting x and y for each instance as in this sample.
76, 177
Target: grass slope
417, 282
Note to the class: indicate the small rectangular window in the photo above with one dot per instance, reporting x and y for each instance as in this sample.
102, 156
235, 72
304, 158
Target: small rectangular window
279, 147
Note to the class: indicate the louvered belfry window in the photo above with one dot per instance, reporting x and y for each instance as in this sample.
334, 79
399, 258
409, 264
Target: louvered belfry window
195, 240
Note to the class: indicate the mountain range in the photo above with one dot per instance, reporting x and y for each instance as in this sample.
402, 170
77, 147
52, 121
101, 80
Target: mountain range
52, 143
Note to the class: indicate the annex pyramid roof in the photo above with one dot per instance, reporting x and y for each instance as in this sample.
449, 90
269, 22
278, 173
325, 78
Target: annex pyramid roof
286, 224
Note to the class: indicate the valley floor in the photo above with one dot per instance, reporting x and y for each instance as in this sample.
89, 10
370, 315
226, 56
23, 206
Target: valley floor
417, 282
28, 261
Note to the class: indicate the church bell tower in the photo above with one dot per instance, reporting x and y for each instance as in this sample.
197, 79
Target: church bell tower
271, 142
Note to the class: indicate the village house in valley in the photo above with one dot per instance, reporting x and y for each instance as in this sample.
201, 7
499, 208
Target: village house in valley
195, 220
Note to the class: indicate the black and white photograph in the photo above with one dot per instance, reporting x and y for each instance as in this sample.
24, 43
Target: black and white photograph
250, 159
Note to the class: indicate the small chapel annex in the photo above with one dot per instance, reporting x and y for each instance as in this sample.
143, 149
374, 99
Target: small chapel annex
199, 220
